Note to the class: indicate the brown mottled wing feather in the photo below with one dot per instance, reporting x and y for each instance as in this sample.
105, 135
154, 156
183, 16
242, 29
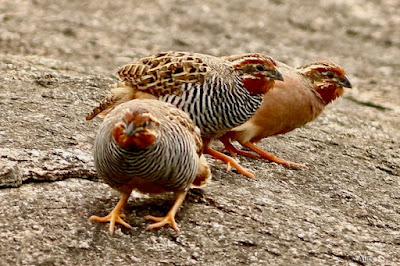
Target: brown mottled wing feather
103, 105
165, 73
162, 74
120, 93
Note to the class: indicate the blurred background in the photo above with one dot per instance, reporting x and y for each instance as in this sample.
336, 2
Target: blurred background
362, 36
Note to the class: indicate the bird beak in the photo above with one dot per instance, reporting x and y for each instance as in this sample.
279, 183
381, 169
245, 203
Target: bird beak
277, 75
345, 82
130, 130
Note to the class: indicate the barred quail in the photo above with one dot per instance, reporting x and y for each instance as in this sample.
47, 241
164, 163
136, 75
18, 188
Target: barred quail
294, 102
217, 94
153, 147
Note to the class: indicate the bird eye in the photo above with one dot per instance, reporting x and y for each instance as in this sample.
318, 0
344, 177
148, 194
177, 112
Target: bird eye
330, 75
260, 68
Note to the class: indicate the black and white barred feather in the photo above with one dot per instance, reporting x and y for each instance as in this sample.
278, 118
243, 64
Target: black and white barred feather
170, 162
216, 111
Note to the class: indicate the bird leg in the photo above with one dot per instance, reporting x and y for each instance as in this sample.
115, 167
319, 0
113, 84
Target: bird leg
115, 216
229, 161
170, 217
233, 151
270, 157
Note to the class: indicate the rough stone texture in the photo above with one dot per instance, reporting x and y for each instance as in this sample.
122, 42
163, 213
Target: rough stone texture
10, 174
57, 59
24, 165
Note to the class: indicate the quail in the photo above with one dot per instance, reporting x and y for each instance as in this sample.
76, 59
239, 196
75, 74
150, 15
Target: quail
292, 103
217, 94
152, 147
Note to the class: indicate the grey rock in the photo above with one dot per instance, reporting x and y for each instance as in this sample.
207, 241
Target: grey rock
10, 174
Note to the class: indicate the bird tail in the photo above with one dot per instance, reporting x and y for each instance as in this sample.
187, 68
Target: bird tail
120, 92
203, 173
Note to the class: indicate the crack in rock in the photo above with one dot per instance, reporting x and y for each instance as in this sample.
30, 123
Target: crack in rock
21, 166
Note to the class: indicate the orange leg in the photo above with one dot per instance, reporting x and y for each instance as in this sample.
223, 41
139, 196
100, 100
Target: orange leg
233, 151
270, 157
229, 161
170, 217
115, 216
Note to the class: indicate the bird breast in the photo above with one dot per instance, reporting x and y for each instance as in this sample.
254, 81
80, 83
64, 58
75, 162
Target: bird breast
169, 164
289, 105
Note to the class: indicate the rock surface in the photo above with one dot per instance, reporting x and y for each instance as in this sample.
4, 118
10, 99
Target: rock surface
57, 59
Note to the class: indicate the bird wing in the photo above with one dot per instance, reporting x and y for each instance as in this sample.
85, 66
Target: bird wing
168, 73
165, 73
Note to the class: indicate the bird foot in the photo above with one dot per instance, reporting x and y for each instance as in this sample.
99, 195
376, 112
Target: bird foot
292, 165
229, 168
232, 152
170, 217
112, 218
270, 157
230, 163
161, 221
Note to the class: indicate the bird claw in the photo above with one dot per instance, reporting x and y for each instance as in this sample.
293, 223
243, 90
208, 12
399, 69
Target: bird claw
248, 172
293, 165
161, 221
271, 157
230, 162
253, 173
228, 167
112, 218
244, 171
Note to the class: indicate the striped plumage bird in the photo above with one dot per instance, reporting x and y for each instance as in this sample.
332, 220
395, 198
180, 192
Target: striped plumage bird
294, 102
217, 94
153, 147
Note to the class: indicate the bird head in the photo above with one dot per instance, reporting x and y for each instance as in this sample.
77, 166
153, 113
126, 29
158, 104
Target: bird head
328, 79
136, 130
258, 72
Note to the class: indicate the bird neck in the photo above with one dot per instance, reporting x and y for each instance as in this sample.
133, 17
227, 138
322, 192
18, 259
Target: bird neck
328, 92
257, 84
